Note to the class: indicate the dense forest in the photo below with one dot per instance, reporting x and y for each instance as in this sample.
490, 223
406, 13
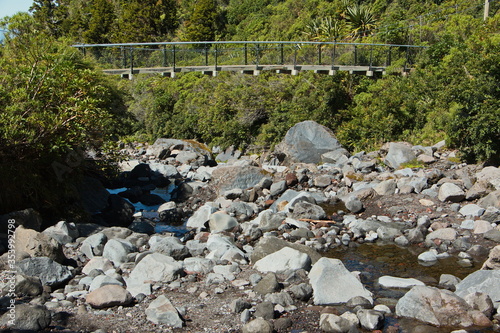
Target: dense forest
54, 100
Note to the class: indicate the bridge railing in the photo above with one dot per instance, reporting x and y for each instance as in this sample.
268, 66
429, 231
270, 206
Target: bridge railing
258, 53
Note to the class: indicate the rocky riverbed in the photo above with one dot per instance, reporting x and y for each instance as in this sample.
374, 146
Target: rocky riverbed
307, 238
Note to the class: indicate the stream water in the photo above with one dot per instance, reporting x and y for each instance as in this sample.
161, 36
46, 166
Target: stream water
375, 260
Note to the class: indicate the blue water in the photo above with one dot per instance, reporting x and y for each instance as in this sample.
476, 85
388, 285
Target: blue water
166, 194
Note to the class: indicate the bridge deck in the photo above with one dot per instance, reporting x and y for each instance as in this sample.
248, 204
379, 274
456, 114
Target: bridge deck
250, 69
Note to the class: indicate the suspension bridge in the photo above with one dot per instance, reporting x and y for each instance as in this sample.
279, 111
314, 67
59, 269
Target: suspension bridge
251, 57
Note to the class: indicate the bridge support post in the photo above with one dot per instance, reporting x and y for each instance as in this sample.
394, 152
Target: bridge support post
246, 53
319, 54
206, 55
257, 54
164, 56
295, 47
282, 60
131, 63
124, 58
173, 65
371, 56
333, 55
216, 60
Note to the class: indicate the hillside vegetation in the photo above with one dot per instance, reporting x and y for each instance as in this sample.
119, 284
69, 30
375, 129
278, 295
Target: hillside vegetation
54, 100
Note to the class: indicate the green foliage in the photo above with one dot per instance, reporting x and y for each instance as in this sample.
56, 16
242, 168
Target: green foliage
325, 29
200, 26
145, 20
452, 95
102, 18
236, 109
49, 14
361, 20
52, 102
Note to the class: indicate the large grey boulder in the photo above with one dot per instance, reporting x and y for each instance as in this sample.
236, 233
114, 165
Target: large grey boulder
438, 307
108, 296
386, 187
230, 177
491, 214
302, 291
50, 272
491, 200
332, 283
200, 217
117, 251
484, 281
283, 260
222, 247
103, 280
278, 187
451, 192
491, 176
282, 298
36, 244
472, 210
101, 263
162, 311
155, 267
27, 318
94, 245
221, 222
339, 157
307, 210
267, 220
166, 170
307, 141
399, 153
63, 232
170, 246
186, 157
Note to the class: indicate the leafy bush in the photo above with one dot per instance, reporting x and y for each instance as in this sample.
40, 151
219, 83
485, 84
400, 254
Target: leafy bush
52, 104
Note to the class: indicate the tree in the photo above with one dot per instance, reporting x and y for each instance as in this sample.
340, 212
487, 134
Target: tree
101, 22
145, 21
52, 104
201, 23
49, 14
